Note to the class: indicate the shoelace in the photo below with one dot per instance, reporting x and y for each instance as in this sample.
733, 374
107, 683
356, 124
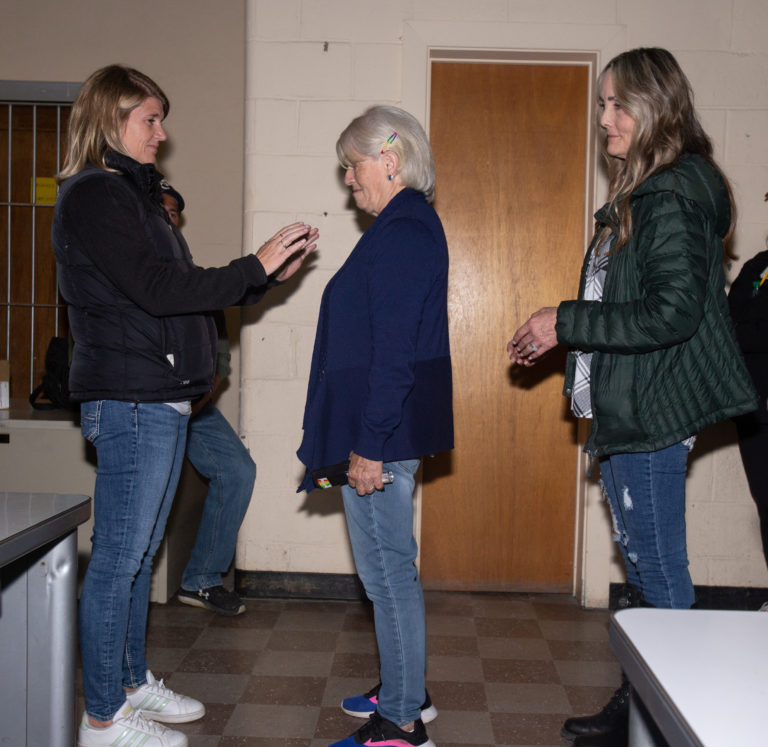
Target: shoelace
137, 721
616, 701
374, 727
160, 688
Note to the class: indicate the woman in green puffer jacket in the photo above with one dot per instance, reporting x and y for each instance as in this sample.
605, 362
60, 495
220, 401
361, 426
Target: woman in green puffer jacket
653, 358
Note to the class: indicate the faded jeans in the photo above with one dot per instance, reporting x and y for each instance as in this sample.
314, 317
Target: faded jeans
219, 455
646, 493
381, 533
140, 449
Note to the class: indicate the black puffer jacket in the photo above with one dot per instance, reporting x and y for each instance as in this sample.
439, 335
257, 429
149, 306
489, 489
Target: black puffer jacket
665, 363
135, 298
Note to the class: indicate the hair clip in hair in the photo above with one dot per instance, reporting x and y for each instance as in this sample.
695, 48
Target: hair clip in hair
389, 141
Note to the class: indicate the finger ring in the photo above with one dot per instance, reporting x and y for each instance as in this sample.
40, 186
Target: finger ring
283, 243
532, 347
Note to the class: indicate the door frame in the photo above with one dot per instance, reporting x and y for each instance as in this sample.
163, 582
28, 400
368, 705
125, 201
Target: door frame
510, 43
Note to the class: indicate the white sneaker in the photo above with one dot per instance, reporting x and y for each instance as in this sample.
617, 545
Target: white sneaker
129, 728
159, 703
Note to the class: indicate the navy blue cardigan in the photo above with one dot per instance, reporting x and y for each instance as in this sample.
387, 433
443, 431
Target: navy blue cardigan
380, 383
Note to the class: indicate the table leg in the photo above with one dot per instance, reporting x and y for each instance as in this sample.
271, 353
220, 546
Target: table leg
642, 730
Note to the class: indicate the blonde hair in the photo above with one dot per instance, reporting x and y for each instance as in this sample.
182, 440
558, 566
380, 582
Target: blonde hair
367, 136
652, 89
99, 112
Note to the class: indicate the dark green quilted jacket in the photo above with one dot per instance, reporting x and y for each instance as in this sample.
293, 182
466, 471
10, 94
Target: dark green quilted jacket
665, 363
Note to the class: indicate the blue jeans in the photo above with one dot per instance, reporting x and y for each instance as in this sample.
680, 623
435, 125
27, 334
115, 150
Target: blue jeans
140, 449
646, 493
218, 454
381, 533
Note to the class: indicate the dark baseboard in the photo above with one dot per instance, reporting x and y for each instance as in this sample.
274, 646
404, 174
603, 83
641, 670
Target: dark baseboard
710, 597
347, 587
265, 584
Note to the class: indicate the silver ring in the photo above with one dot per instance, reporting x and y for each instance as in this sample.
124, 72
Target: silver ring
283, 243
532, 347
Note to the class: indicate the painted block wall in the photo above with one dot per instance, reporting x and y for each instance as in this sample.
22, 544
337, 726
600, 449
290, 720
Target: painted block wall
312, 65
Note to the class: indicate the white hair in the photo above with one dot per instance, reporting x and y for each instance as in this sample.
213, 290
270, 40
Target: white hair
371, 133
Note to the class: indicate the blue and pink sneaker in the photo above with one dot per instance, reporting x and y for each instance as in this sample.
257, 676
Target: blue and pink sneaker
362, 706
380, 732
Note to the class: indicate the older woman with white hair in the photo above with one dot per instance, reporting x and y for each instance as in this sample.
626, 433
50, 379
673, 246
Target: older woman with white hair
380, 396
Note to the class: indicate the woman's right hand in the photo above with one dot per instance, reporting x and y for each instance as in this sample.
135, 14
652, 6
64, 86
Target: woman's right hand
278, 249
536, 337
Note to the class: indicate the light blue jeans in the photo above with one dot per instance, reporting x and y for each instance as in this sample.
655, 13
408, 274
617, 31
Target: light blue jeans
140, 448
646, 493
219, 455
381, 533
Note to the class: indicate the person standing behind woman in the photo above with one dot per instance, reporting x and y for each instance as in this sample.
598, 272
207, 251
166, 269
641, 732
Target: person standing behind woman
748, 300
143, 349
218, 454
380, 394
653, 357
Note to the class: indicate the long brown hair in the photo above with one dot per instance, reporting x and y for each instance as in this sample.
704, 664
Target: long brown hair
99, 112
651, 87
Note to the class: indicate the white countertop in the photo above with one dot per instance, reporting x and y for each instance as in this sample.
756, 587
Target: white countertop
709, 667
30, 520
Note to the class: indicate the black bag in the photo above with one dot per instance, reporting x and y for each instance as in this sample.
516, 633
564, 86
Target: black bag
55, 386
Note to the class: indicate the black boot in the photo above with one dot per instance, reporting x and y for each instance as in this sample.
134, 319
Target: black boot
632, 597
614, 718
617, 738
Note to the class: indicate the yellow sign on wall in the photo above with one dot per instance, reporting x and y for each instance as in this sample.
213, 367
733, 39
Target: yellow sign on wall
42, 190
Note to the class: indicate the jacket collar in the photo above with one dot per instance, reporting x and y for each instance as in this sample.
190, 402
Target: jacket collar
690, 176
144, 175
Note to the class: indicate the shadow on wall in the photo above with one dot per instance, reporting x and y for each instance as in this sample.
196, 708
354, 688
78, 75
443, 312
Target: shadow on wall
711, 439
322, 502
278, 295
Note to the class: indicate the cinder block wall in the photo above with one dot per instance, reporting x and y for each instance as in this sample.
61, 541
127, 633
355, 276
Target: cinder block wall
313, 65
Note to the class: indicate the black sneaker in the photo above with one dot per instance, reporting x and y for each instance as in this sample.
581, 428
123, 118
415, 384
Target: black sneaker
362, 706
214, 598
379, 730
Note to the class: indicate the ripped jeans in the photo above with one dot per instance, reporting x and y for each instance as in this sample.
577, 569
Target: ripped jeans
646, 493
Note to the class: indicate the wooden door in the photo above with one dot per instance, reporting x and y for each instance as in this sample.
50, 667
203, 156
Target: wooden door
510, 144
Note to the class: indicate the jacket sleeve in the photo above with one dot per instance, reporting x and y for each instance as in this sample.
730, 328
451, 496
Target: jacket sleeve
103, 217
405, 268
672, 244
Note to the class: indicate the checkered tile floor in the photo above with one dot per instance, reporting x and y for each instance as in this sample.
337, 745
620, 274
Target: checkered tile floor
504, 669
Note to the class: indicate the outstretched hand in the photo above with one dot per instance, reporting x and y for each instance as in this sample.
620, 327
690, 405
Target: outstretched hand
536, 337
287, 249
297, 258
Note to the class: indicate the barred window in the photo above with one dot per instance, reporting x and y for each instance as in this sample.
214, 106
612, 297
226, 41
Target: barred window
33, 125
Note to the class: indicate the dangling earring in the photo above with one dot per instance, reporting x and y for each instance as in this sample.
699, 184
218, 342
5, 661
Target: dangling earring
389, 177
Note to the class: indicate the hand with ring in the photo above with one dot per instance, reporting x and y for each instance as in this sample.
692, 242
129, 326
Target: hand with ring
287, 249
540, 327
364, 475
